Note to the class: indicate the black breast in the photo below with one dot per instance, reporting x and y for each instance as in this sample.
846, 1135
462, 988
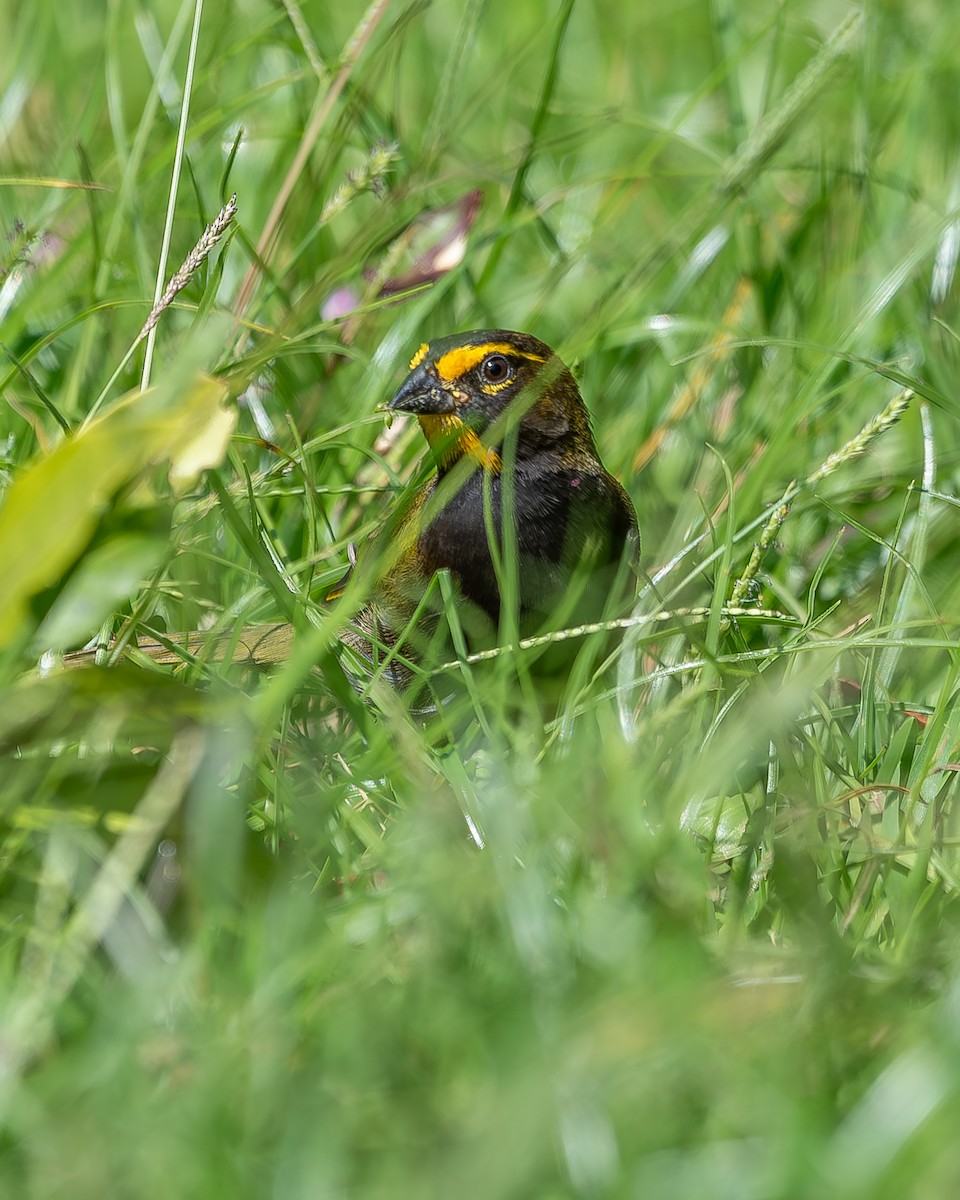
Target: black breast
559, 516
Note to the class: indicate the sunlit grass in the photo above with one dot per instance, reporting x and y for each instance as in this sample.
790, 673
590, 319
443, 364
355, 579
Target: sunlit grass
687, 929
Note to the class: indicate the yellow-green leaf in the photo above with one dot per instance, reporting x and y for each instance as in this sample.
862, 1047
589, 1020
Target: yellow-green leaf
51, 510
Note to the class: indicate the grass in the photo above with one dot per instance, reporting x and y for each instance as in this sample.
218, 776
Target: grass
698, 933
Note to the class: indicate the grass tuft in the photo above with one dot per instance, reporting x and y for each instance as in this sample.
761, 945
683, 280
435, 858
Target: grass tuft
686, 927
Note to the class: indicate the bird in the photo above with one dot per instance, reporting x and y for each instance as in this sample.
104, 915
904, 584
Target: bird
532, 530
517, 479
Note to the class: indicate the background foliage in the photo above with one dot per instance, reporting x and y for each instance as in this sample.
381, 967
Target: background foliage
696, 931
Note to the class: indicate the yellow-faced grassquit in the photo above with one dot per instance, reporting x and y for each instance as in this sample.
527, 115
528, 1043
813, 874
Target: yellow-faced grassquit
533, 530
521, 511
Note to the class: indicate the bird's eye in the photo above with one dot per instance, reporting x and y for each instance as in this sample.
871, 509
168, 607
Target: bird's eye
496, 369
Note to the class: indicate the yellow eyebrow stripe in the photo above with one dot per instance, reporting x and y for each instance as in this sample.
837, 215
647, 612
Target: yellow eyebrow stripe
455, 363
420, 355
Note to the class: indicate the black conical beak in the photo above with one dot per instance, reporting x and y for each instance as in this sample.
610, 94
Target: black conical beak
420, 393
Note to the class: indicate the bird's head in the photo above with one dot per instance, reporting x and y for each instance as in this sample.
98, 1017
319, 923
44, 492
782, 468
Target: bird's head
459, 386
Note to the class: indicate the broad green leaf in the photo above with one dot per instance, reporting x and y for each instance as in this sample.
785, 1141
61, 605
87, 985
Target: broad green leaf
205, 449
104, 578
52, 509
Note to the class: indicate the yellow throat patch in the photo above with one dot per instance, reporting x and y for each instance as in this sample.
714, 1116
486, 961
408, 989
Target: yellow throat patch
451, 440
